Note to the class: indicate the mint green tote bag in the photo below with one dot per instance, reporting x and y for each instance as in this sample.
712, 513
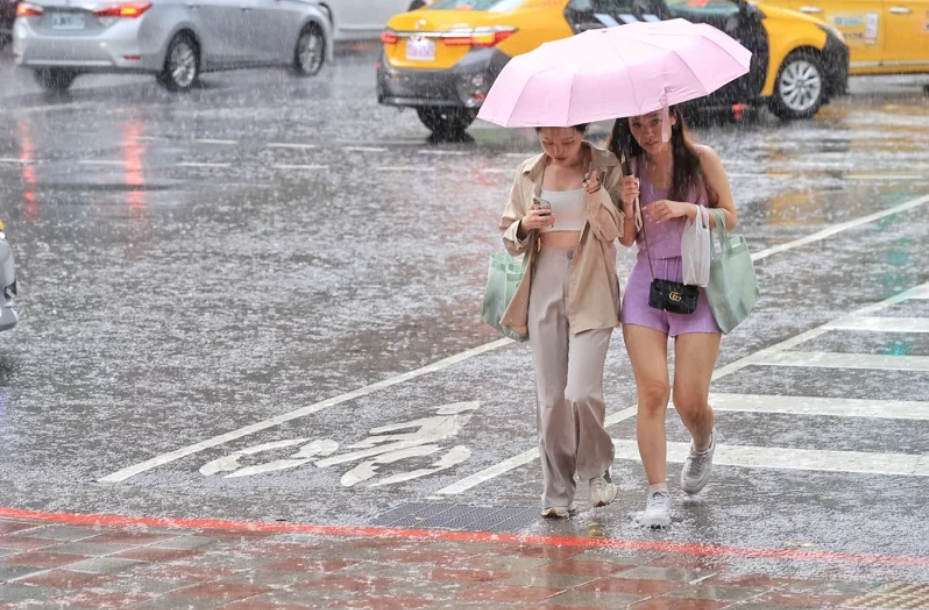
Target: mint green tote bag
503, 278
733, 288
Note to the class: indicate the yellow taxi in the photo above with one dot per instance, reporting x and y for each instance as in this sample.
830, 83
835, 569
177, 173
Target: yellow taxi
883, 36
443, 58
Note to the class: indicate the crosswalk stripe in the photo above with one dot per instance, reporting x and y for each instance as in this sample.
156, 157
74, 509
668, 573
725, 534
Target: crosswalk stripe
878, 324
779, 458
831, 360
814, 405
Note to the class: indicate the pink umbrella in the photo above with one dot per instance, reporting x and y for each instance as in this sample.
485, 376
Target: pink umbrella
624, 71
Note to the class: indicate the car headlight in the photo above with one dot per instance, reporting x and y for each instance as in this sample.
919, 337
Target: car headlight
831, 30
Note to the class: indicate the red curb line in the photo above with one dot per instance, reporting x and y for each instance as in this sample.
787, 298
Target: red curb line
451, 536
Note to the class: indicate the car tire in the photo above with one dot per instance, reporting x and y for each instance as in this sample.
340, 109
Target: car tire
310, 51
800, 88
182, 64
55, 79
446, 123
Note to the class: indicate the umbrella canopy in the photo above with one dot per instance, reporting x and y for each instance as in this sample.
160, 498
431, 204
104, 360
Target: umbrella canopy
624, 71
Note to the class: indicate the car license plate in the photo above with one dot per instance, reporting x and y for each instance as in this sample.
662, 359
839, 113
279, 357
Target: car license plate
420, 49
67, 21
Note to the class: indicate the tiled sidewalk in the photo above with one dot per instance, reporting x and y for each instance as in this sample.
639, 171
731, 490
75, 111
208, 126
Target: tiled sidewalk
46, 565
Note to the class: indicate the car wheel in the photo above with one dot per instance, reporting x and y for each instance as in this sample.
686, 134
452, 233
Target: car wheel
447, 123
800, 89
310, 52
182, 64
55, 79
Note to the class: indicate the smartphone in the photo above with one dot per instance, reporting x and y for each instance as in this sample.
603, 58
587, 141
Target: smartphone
542, 204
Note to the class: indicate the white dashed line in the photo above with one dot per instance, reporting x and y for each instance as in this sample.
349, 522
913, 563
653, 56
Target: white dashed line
213, 165
309, 167
293, 146
370, 149
439, 153
221, 142
16, 161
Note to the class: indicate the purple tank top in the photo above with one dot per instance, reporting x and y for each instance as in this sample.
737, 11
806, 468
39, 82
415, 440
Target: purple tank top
664, 240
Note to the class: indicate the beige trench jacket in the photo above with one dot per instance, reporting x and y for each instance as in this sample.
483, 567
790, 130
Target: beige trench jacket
593, 298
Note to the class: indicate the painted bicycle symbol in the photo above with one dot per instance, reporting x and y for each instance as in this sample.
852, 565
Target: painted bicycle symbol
384, 445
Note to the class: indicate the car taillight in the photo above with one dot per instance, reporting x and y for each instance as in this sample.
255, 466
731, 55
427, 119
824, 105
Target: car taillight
129, 10
479, 37
389, 37
25, 9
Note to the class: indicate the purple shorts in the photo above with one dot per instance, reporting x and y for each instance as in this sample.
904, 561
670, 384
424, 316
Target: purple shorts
635, 302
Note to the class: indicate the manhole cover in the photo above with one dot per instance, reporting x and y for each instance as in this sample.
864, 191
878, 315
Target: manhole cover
459, 517
897, 596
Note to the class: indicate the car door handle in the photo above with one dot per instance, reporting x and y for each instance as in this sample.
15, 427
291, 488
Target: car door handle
900, 10
810, 9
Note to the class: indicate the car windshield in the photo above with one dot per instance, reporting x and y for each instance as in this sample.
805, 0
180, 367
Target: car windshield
496, 6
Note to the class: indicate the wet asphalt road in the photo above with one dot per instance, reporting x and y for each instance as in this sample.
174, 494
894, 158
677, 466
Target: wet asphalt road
189, 266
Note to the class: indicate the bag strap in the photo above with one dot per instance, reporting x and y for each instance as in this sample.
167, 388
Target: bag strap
722, 232
639, 219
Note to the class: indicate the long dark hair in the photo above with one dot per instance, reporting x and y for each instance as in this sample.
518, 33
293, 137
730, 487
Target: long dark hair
687, 170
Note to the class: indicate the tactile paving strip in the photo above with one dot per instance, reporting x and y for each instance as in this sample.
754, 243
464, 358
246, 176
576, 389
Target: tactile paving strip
459, 517
896, 596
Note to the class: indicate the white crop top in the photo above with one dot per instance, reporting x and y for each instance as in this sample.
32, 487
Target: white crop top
569, 208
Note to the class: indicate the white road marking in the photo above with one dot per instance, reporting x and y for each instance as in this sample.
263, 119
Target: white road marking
213, 165
498, 170
150, 138
100, 162
16, 161
897, 464
814, 405
370, 149
918, 292
221, 142
884, 177
809, 239
312, 167
405, 168
439, 153
830, 360
877, 324
222, 439
295, 146
528, 456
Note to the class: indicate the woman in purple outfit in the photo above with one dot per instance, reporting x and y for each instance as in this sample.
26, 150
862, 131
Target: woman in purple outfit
671, 176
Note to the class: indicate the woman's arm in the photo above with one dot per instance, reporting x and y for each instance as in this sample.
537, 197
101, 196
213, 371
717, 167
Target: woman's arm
606, 220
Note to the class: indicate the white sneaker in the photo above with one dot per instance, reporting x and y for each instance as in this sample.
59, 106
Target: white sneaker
559, 512
657, 511
698, 467
602, 492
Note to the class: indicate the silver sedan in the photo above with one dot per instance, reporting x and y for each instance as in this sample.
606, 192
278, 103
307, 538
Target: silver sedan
176, 40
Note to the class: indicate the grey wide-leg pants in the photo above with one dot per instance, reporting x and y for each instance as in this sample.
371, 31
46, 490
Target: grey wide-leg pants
569, 380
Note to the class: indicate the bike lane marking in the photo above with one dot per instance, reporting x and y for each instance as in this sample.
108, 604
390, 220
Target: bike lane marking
166, 458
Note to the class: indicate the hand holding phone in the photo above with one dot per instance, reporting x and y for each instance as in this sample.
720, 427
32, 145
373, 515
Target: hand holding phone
540, 215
